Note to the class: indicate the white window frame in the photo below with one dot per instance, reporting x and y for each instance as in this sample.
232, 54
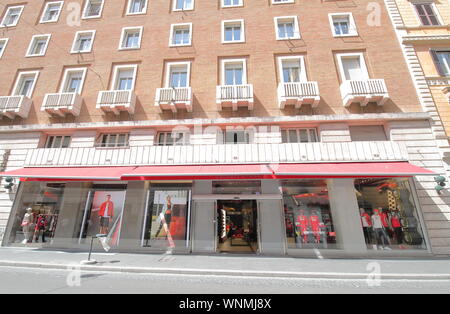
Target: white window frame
5, 43
77, 35
244, 69
435, 11
185, 141
297, 130
125, 30
282, 1
32, 42
169, 66
86, 5
360, 55
7, 12
352, 30
173, 27
223, 5
303, 74
47, 5
102, 135
116, 71
144, 11
66, 76
53, 142
296, 27
19, 78
242, 23
174, 6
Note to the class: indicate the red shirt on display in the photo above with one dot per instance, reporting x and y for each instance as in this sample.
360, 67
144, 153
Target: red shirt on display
395, 221
384, 220
302, 222
103, 209
315, 222
366, 216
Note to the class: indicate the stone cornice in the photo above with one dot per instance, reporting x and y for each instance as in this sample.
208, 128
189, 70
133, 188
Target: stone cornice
408, 39
229, 121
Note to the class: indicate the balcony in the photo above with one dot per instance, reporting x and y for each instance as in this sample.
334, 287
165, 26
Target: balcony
116, 101
298, 94
364, 91
62, 104
234, 96
174, 98
15, 106
218, 154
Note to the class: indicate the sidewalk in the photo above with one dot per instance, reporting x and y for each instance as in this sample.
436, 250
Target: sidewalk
229, 265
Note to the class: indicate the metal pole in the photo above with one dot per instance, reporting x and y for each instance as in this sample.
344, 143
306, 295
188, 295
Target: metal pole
90, 249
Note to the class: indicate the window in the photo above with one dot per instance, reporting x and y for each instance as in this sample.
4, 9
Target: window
57, 141
114, 140
234, 72
342, 24
292, 69
441, 59
93, 9
352, 66
232, 3
131, 38
173, 138
426, 13
3, 43
124, 77
38, 45
308, 214
137, 7
183, 5
367, 133
237, 137
12, 16
51, 12
83, 42
299, 135
180, 34
177, 74
389, 216
25, 84
73, 80
282, 1
286, 27
233, 31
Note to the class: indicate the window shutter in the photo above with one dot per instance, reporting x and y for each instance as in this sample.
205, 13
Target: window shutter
437, 63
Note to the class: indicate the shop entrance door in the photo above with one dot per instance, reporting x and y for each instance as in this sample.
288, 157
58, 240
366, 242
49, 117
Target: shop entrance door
237, 226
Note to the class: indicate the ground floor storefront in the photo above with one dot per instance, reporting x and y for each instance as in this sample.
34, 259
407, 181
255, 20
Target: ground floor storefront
245, 214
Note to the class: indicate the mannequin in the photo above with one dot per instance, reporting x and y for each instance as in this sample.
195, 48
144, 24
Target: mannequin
367, 225
316, 225
27, 225
41, 225
379, 230
302, 225
397, 226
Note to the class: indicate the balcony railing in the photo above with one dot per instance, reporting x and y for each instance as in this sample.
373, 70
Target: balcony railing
61, 104
174, 98
218, 154
298, 94
364, 91
116, 101
235, 96
12, 106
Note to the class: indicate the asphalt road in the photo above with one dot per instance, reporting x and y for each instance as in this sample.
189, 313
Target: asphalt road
41, 281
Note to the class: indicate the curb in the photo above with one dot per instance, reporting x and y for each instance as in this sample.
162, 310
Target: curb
223, 272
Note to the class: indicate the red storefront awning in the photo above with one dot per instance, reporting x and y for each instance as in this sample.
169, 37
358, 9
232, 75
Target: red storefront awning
69, 173
199, 172
349, 170
224, 172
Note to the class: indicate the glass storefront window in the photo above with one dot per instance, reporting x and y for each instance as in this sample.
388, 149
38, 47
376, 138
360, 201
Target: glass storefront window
308, 219
166, 223
36, 214
389, 216
236, 187
103, 214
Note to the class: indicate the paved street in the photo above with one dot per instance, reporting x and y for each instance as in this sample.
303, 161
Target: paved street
27, 280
